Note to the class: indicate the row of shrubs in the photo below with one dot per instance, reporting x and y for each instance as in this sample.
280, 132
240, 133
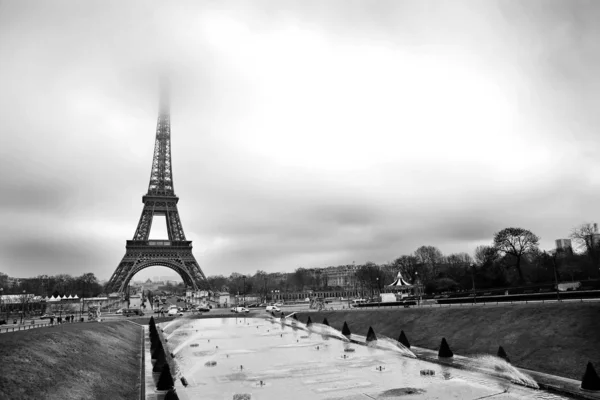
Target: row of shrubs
161, 366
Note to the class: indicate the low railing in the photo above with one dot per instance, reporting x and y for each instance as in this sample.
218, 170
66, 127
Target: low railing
25, 327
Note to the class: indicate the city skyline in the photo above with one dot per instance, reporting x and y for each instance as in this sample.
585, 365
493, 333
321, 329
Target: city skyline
303, 134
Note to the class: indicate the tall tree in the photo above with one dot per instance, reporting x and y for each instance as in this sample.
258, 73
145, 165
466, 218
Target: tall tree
485, 255
407, 265
584, 238
516, 242
430, 258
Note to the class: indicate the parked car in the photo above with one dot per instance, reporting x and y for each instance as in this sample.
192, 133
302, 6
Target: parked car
47, 316
272, 308
174, 311
119, 311
132, 311
240, 310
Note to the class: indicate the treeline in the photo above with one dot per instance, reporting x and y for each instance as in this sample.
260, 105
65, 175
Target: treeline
513, 258
85, 285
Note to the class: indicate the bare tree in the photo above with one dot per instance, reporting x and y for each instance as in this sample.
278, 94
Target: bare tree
459, 259
583, 236
430, 257
516, 242
407, 265
485, 255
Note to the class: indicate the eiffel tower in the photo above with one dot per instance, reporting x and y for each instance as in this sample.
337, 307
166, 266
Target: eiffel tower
176, 252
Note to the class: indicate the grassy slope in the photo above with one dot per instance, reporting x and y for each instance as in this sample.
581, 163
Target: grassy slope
71, 361
557, 339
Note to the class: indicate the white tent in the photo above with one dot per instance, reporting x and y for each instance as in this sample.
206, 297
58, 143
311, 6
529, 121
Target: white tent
53, 298
400, 282
75, 297
70, 296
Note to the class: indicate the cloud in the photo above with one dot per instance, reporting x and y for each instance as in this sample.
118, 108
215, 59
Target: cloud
303, 133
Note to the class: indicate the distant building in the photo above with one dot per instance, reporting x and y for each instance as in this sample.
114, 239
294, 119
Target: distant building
12, 282
564, 245
595, 236
343, 276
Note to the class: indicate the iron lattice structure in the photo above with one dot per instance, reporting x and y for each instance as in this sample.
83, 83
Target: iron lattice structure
176, 252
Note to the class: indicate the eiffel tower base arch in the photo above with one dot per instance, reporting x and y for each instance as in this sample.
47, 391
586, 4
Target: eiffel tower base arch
144, 254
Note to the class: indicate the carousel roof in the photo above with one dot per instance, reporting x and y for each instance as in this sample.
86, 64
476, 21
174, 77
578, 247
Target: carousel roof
400, 281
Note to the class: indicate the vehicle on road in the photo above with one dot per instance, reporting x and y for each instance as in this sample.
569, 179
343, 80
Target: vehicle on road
356, 302
240, 310
174, 311
132, 311
119, 311
272, 308
203, 308
47, 316
278, 304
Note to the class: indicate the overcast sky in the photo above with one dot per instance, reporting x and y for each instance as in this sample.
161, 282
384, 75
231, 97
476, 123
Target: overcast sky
304, 134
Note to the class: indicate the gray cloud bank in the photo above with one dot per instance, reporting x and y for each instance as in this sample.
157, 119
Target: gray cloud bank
304, 133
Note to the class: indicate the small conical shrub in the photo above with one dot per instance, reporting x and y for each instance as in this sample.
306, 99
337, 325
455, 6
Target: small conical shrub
165, 381
404, 340
158, 349
308, 321
502, 354
371, 335
152, 333
325, 322
346, 330
445, 351
152, 323
171, 395
160, 363
296, 317
272, 313
154, 341
590, 380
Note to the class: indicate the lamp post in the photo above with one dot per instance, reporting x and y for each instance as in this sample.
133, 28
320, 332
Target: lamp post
378, 292
265, 289
244, 294
23, 307
473, 279
1, 293
555, 275
418, 283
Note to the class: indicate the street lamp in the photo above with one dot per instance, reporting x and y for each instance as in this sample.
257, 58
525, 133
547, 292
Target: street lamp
378, 291
244, 298
473, 279
265, 289
23, 307
418, 283
555, 275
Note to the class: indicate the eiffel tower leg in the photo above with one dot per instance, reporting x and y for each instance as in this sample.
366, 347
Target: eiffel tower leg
115, 284
198, 277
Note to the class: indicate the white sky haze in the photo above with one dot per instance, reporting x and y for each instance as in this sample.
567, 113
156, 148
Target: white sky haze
304, 133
